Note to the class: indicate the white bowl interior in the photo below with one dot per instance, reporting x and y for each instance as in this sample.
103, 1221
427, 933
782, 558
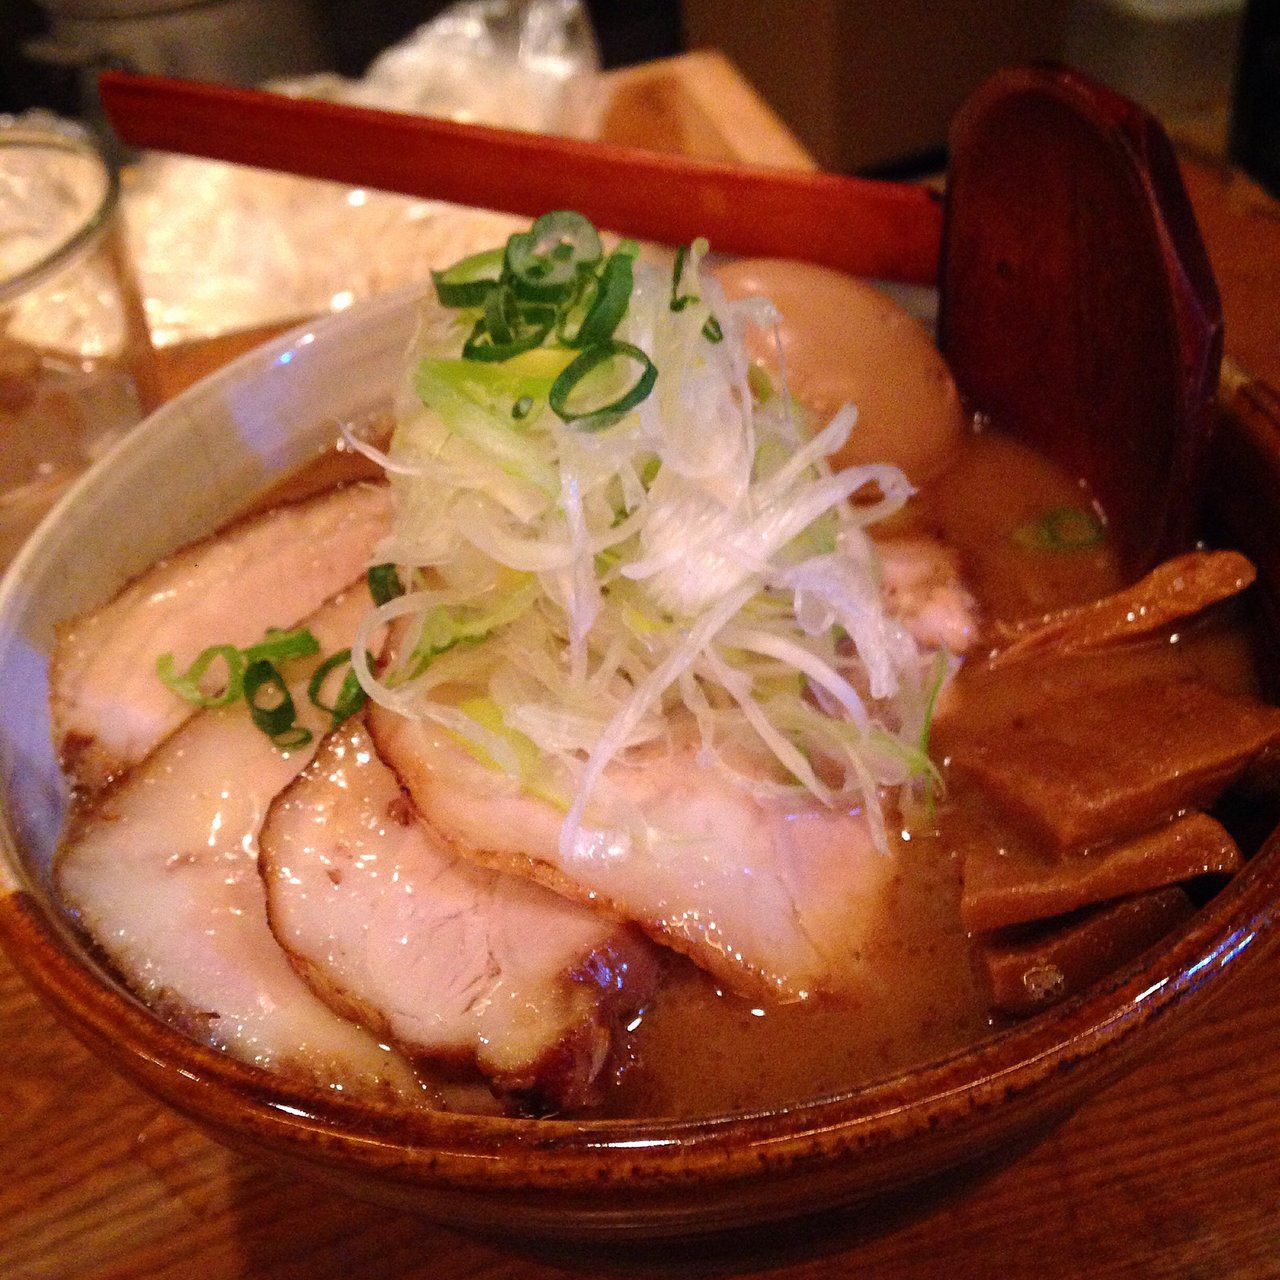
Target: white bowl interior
179, 475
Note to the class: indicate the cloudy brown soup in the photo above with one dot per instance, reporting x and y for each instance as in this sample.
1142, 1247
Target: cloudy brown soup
990, 900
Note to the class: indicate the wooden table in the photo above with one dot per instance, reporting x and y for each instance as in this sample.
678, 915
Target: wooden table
1174, 1172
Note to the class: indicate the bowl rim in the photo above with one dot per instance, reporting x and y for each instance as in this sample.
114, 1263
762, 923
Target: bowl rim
1092, 1032
1052, 1054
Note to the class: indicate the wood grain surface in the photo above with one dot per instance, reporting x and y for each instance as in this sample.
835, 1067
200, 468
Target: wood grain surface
1174, 1172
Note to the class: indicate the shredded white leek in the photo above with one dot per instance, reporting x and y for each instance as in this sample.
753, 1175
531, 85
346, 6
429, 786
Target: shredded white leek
695, 568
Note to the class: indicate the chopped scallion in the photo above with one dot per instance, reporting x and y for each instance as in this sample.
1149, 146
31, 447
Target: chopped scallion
384, 583
254, 674
283, 646
501, 314
351, 697
469, 282
290, 739
271, 704
544, 263
608, 305
680, 300
481, 345
1064, 528
187, 685
597, 417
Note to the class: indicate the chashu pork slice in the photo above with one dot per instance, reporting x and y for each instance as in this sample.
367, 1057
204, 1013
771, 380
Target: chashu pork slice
450, 962
271, 570
775, 903
924, 589
161, 870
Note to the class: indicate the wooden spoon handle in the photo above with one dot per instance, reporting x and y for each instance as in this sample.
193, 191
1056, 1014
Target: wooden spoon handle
1079, 310
885, 229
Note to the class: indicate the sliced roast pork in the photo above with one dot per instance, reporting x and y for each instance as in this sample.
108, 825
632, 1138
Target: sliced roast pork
161, 870
108, 708
446, 960
773, 902
924, 589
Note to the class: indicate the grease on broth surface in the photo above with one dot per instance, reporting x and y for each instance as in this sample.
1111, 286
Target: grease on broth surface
996, 487
702, 1051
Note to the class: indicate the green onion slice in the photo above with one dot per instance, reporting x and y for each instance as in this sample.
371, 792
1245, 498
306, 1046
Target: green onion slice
384, 583
187, 685
283, 646
501, 314
294, 736
522, 407
712, 331
544, 263
481, 345
596, 417
573, 309
678, 300
351, 697
469, 282
1064, 528
271, 704
608, 306
681, 300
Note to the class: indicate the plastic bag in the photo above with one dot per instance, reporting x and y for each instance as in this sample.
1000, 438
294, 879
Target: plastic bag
275, 248
522, 65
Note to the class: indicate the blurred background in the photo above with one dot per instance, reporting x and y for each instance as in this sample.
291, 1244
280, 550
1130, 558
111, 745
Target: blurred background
866, 87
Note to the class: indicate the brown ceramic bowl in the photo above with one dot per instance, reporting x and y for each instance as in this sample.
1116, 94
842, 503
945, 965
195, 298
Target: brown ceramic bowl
225, 441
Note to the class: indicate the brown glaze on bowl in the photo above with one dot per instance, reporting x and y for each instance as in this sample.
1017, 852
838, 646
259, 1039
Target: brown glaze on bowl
568, 1180
649, 1180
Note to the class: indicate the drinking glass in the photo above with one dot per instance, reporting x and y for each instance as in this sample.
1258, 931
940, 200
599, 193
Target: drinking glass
74, 350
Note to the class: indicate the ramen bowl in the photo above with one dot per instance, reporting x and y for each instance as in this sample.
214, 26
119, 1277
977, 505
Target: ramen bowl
207, 455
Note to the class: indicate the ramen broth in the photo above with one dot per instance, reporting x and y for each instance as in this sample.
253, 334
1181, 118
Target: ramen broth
1027, 540
697, 1049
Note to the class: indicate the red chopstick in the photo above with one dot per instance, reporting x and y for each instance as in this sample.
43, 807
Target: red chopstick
882, 229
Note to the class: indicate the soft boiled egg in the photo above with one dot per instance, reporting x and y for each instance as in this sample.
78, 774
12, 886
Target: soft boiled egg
844, 341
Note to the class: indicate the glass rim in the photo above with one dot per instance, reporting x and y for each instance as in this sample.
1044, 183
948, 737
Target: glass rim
43, 129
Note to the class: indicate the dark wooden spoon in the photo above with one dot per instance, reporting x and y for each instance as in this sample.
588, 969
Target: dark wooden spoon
1079, 310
